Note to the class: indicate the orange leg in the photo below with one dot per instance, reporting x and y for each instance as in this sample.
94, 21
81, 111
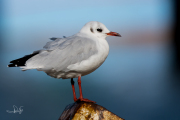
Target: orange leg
73, 88
80, 91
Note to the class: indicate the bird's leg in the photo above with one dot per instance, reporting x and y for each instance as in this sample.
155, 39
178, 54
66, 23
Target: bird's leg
80, 91
73, 88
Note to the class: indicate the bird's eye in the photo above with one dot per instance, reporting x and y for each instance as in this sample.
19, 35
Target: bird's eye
99, 30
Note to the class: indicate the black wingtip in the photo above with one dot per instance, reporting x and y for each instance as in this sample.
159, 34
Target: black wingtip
12, 65
22, 61
53, 38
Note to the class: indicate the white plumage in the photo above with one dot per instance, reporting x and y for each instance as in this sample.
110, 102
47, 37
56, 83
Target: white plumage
74, 56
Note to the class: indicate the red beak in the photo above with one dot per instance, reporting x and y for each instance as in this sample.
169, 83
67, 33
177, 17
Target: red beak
113, 34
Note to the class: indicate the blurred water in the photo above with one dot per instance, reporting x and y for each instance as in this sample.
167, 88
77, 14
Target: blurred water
135, 82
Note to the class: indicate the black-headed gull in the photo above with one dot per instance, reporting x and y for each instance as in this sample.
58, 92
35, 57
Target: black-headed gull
71, 57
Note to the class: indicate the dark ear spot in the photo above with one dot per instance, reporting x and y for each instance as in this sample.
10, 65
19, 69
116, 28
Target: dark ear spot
91, 30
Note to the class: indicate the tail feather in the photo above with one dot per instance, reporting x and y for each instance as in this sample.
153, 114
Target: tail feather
22, 61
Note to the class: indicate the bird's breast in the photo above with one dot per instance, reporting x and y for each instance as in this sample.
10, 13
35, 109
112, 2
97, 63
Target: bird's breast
93, 62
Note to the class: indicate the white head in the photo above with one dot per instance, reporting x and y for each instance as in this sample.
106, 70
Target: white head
97, 29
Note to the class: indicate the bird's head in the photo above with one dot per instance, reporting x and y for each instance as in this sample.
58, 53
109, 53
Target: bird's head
97, 29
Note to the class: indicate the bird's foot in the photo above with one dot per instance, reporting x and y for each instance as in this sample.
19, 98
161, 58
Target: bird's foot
85, 100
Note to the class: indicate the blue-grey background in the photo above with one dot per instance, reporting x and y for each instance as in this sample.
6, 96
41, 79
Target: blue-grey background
136, 82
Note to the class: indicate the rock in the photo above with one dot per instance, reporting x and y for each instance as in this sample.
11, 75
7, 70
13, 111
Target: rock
87, 111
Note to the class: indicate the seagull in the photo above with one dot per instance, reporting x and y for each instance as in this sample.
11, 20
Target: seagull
71, 57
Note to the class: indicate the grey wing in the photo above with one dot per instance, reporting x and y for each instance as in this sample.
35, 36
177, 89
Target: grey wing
58, 56
54, 38
54, 44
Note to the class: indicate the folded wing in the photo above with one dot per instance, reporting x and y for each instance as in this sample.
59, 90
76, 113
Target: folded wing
61, 53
